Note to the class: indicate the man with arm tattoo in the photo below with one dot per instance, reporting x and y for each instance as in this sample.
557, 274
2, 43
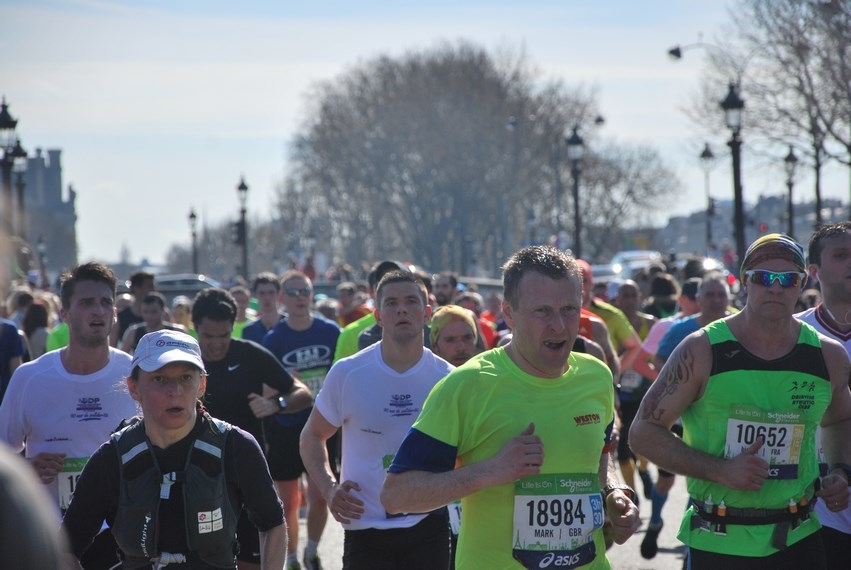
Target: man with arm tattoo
751, 389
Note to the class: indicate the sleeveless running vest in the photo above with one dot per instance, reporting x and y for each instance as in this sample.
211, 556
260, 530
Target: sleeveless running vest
210, 520
780, 400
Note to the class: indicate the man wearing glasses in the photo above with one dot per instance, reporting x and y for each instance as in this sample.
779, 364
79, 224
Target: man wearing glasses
305, 345
751, 389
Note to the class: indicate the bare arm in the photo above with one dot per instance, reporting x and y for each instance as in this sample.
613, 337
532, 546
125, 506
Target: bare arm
423, 491
342, 502
836, 425
621, 511
601, 337
273, 547
632, 347
680, 383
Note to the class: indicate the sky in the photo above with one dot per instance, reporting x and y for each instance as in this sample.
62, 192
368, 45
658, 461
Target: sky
159, 107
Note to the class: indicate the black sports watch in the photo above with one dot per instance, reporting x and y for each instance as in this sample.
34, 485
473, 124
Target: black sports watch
629, 491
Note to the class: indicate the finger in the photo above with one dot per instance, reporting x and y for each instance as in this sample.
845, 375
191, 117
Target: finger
253, 396
530, 429
755, 446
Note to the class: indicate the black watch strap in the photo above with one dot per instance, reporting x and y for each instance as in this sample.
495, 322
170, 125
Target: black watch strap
282, 403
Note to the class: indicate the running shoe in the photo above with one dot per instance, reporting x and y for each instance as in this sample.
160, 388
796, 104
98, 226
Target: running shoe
312, 562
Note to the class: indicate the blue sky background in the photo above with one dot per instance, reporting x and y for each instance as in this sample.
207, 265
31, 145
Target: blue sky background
160, 106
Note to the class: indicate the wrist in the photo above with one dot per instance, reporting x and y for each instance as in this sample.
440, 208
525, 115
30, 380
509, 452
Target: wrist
279, 402
626, 490
842, 468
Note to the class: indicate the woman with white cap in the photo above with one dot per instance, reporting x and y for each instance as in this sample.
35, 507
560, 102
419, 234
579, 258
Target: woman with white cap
172, 485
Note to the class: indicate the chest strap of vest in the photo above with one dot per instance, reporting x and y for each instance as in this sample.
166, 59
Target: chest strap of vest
790, 517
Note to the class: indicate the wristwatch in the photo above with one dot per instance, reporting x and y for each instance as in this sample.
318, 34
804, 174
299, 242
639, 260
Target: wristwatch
628, 491
282, 403
843, 467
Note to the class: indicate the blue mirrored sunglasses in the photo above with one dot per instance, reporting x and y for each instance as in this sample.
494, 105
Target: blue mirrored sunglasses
298, 292
786, 279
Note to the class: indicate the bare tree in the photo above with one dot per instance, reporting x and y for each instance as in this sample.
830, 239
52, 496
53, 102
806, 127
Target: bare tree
440, 157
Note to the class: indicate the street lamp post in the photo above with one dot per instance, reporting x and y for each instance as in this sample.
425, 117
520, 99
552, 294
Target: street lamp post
193, 227
733, 106
575, 150
791, 163
707, 161
13, 158
242, 231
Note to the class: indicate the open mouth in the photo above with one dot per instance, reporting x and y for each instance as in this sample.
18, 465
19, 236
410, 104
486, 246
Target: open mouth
174, 410
555, 345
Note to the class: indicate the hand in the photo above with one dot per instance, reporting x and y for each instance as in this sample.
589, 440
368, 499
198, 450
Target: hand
519, 457
262, 407
746, 471
343, 504
47, 466
834, 492
623, 515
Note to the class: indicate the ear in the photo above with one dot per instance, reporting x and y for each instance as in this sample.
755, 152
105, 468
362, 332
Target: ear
508, 314
133, 389
202, 387
812, 270
428, 312
377, 314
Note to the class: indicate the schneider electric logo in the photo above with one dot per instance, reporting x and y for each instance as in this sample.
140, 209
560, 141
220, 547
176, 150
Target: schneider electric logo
551, 560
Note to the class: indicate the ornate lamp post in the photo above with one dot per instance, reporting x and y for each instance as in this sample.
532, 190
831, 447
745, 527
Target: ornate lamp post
242, 230
707, 162
791, 163
193, 228
575, 151
12, 153
41, 247
733, 106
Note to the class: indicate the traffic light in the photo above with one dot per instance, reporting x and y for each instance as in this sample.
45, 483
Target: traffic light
711, 209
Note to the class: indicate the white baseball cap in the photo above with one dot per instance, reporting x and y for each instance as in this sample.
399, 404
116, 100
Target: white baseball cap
162, 347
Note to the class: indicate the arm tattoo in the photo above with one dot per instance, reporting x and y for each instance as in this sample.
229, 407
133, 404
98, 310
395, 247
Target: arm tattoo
678, 370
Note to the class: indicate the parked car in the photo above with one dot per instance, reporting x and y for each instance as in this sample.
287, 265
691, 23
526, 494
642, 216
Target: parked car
174, 284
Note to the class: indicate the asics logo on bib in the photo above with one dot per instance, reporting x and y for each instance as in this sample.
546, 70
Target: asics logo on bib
552, 560
774, 472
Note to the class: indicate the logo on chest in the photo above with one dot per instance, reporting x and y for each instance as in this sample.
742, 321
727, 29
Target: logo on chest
401, 405
587, 419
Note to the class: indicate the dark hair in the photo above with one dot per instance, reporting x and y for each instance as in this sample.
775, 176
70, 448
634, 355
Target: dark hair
821, 234
35, 318
215, 304
664, 285
426, 279
400, 277
263, 278
347, 286
154, 297
453, 277
28, 534
381, 269
91, 271
138, 278
543, 259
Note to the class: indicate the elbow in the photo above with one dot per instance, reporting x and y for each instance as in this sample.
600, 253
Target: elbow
389, 496
638, 438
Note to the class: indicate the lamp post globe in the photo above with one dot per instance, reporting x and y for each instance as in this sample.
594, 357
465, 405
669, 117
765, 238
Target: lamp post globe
193, 228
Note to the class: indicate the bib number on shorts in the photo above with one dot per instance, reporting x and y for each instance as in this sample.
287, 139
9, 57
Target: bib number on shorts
555, 516
781, 431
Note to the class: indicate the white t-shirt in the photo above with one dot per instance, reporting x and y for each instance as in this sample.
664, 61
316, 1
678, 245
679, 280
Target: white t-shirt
47, 409
376, 406
840, 521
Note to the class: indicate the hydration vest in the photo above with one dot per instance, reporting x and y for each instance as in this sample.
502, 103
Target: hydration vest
209, 518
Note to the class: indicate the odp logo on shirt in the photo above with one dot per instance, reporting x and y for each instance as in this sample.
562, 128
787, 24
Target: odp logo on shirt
89, 408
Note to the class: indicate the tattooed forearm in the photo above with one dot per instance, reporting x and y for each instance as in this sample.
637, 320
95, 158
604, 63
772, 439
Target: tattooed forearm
677, 371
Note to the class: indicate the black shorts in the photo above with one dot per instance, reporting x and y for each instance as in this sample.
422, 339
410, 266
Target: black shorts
424, 546
629, 409
807, 553
284, 456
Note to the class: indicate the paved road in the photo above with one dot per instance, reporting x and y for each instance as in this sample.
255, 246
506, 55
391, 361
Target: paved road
623, 557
